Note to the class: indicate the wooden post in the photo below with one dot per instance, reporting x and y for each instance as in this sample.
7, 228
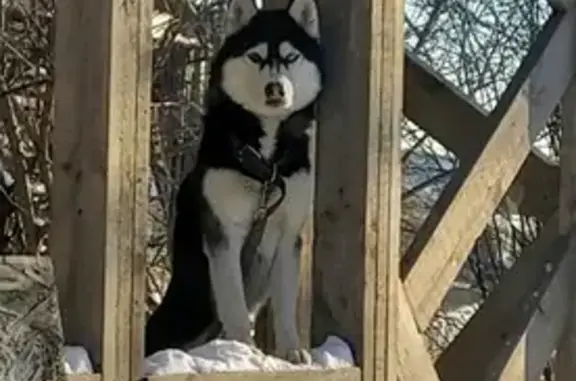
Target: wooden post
565, 367
100, 188
357, 208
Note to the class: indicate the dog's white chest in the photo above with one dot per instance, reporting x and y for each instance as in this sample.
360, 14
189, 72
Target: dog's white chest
268, 141
234, 197
298, 201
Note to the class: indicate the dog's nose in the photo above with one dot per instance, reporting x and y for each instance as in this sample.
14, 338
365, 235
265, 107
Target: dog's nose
274, 90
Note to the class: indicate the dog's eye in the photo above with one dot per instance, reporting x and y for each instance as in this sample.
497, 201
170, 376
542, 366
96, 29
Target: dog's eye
255, 57
292, 57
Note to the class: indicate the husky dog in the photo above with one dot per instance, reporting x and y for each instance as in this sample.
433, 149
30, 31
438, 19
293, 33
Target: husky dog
264, 84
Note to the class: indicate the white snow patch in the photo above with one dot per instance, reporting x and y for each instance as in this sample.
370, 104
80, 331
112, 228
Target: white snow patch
76, 360
223, 356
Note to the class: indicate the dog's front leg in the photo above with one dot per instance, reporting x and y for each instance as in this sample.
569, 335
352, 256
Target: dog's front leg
227, 286
284, 293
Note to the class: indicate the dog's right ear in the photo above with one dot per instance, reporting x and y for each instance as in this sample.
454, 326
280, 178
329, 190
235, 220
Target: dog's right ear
305, 13
240, 12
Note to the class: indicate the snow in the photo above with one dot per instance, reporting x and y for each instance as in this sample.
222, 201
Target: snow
76, 360
222, 356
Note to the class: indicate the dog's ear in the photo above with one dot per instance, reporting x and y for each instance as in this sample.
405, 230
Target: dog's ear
305, 12
239, 14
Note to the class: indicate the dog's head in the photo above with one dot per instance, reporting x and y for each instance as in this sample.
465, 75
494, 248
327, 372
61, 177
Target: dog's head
270, 61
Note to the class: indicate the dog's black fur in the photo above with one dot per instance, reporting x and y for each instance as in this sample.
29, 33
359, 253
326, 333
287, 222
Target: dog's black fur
187, 308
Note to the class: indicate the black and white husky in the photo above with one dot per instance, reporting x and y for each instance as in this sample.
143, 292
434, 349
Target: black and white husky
258, 128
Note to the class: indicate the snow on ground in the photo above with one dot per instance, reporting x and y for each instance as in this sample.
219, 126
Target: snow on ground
222, 356
76, 360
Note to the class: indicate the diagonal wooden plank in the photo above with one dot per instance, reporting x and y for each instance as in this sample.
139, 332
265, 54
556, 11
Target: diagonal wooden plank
461, 213
497, 327
414, 362
426, 99
546, 326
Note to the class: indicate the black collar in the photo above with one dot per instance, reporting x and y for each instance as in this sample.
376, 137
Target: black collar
266, 172
254, 165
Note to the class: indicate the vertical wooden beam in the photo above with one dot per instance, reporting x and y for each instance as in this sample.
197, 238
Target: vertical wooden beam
565, 366
100, 188
357, 208
305, 294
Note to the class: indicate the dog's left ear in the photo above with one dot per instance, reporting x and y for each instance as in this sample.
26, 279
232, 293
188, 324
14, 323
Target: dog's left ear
305, 12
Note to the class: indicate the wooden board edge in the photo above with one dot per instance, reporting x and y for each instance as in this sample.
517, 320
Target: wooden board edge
83, 377
345, 374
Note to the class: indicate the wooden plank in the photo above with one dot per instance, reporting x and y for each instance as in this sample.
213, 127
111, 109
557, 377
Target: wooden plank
461, 213
545, 327
414, 362
83, 377
304, 311
99, 194
515, 369
426, 98
357, 216
346, 374
473, 194
564, 364
498, 326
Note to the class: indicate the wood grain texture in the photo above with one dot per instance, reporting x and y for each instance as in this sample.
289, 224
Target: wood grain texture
99, 194
414, 362
350, 374
565, 366
304, 311
84, 377
357, 209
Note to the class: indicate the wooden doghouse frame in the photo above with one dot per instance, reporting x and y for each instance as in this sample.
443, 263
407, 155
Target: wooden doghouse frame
99, 193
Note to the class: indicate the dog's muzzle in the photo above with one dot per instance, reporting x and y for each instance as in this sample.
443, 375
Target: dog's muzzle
275, 94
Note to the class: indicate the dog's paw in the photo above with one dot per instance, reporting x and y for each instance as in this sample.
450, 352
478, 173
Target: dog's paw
298, 356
